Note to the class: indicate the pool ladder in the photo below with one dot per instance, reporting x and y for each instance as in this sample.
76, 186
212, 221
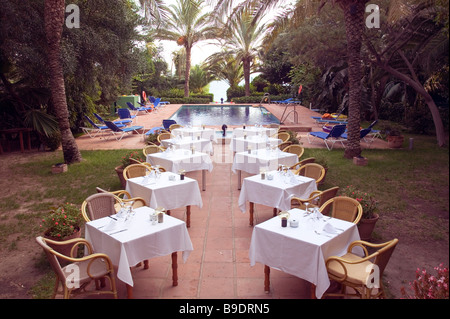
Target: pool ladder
283, 118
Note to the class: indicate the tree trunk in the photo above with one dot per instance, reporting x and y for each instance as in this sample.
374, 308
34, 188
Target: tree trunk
246, 66
54, 11
354, 27
188, 71
418, 87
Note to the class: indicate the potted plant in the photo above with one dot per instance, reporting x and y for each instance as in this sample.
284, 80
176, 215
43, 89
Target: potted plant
63, 223
128, 159
152, 138
293, 137
370, 209
394, 137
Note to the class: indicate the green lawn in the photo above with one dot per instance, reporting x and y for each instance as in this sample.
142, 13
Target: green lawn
407, 183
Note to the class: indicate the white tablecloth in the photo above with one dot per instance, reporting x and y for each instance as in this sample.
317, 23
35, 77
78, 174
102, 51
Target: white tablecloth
178, 159
163, 192
140, 241
253, 130
201, 145
262, 158
301, 251
206, 133
277, 192
241, 144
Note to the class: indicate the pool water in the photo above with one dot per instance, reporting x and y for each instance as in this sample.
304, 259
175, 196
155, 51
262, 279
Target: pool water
223, 114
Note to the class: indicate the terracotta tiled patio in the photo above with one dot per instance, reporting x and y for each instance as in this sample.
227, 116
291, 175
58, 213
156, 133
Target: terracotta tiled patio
219, 266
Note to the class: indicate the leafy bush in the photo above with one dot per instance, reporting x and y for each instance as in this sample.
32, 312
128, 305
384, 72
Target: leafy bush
428, 286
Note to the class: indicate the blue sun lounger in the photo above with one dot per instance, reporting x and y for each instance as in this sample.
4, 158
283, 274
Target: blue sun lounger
138, 109
122, 131
335, 135
92, 132
118, 122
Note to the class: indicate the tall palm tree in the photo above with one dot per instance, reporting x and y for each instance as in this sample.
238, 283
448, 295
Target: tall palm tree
200, 79
225, 66
155, 11
187, 24
243, 38
54, 15
354, 26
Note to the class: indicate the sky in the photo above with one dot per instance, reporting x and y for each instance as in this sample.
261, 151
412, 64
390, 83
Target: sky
201, 50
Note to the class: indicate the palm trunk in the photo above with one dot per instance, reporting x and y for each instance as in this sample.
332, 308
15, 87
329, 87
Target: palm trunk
54, 18
354, 26
188, 71
246, 66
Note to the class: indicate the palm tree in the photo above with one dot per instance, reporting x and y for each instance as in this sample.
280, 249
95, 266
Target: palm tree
243, 38
354, 26
155, 11
200, 78
187, 24
54, 13
225, 66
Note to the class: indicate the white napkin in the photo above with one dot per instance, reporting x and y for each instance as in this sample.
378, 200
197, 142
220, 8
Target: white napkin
328, 228
292, 178
112, 225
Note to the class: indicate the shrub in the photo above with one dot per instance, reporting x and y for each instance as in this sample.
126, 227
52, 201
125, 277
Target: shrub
428, 286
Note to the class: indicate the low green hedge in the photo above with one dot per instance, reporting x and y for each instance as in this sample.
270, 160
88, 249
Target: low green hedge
186, 100
257, 99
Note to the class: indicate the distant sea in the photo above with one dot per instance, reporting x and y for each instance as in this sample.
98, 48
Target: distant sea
219, 89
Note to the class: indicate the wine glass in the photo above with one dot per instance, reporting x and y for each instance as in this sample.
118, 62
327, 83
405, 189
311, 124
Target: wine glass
306, 205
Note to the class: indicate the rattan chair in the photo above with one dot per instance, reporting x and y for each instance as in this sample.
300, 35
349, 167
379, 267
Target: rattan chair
363, 275
174, 126
164, 136
91, 267
161, 169
312, 170
124, 197
297, 165
295, 149
283, 136
343, 207
135, 170
315, 199
151, 149
99, 205
282, 146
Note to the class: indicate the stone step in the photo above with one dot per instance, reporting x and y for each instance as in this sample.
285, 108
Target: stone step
296, 127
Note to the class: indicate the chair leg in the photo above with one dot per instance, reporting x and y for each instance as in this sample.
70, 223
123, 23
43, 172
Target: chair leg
55, 289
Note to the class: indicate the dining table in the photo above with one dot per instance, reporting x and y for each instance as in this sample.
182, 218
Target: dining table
129, 238
301, 250
253, 142
253, 130
253, 161
194, 131
174, 160
274, 189
186, 142
166, 190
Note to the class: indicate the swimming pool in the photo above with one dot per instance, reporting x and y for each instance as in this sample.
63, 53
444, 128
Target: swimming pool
223, 114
